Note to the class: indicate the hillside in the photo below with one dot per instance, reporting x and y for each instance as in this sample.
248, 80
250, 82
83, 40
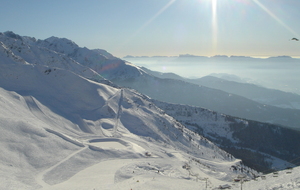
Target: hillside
65, 125
60, 130
257, 93
227, 84
101, 66
265, 147
262, 146
181, 92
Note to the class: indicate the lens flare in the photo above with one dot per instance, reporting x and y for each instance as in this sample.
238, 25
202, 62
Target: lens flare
274, 17
214, 25
148, 22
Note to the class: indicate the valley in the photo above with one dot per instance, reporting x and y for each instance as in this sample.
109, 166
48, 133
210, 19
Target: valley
74, 118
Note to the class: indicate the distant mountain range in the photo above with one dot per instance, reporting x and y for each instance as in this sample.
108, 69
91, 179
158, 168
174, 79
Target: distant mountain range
224, 57
58, 99
261, 146
228, 84
57, 122
183, 92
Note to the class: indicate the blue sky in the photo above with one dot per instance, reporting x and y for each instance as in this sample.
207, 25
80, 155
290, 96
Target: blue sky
162, 27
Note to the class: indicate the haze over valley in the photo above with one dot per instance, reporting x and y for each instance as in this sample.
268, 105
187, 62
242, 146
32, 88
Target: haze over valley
74, 117
151, 94
280, 72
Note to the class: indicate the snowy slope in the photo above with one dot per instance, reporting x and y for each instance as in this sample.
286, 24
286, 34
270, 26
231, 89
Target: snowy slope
282, 180
235, 85
262, 146
99, 60
99, 65
60, 130
27, 49
254, 92
181, 92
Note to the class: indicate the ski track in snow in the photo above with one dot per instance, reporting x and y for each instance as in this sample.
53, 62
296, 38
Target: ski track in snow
119, 112
40, 176
129, 167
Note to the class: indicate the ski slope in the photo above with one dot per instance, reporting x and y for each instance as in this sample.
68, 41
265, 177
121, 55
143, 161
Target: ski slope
58, 127
61, 129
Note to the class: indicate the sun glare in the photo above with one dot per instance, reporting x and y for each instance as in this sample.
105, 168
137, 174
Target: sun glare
223, 4
148, 22
214, 25
257, 2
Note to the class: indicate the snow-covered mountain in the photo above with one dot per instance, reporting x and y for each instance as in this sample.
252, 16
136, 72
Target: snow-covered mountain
65, 126
60, 130
99, 65
181, 92
257, 93
262, 146
271, 149
233, 84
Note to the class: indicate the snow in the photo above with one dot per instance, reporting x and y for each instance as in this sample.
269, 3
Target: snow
283, 180
61, 130
109, 143
53, 136
112, 171
211, 122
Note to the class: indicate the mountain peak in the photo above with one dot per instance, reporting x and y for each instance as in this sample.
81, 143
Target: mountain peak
11, 34
54, 39
61, 45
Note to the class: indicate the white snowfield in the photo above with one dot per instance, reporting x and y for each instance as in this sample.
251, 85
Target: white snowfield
60, 130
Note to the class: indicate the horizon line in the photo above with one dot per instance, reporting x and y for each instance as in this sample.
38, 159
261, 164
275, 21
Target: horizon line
214, 56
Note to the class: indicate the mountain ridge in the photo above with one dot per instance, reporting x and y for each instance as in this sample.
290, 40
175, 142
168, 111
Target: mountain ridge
49, 96
49, 110
251, 91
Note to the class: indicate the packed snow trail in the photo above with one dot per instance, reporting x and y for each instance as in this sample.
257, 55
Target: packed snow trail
33, 107
40, 176
119, 112
100, 180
